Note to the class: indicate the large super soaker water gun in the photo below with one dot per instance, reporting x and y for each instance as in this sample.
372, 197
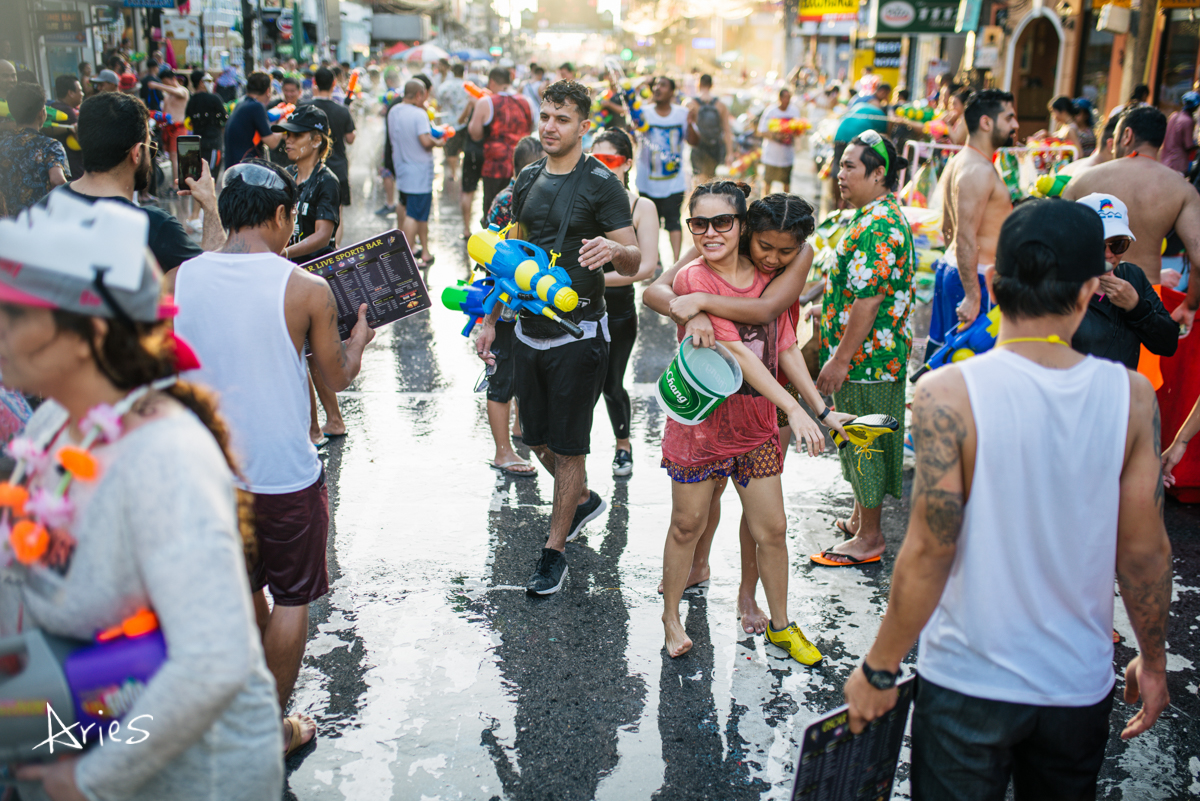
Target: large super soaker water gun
280, 113
964, 343
391, 96
521, 276
1051, 185
635, 101
90, 684
162, 118
55, 119
351, 87
474, 91
789, 126
917, 112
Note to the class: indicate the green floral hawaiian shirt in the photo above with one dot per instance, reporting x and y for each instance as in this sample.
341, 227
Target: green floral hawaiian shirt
874, 257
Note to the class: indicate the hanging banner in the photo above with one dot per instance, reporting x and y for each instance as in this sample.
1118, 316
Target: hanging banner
828, 10
889, 17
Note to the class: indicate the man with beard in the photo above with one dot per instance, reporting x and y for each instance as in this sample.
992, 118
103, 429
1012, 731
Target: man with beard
1158, 198
573, 205
976, 203
114, 137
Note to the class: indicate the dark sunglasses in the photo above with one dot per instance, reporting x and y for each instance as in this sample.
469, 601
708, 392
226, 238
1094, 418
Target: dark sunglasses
722, 223
1118, 245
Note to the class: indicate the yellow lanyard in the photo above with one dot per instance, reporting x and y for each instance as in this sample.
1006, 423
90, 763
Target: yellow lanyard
1053, 339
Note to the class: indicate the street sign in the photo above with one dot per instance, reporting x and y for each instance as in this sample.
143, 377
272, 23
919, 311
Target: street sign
60, 21
828, 10
284, 22
912, 16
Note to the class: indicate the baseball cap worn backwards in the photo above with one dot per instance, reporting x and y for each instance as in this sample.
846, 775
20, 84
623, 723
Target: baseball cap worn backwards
88, 258
1072, 231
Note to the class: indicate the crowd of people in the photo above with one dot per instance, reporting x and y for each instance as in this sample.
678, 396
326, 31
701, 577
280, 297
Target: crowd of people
125, 351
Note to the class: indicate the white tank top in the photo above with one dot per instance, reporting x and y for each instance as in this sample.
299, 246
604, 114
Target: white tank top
1026, 616
231, 313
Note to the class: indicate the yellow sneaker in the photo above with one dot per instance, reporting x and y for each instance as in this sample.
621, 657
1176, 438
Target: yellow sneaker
863, 430
795, 643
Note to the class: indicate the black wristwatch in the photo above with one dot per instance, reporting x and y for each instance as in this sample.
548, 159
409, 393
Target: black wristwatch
821, 417
880, 679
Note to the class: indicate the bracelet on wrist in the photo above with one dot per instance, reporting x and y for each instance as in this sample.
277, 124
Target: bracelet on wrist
821, 417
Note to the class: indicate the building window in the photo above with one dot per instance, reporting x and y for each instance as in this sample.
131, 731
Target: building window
1177, 73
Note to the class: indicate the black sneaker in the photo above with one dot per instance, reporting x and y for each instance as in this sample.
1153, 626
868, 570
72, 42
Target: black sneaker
585, 513
623, 463
385, 210
550, 574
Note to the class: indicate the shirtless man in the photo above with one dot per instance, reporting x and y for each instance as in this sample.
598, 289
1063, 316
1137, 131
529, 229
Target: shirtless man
1101, 155
975, 205
1158, 197
174, 102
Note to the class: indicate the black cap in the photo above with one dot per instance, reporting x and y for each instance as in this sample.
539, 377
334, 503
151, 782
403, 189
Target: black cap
309, 118
1072, 231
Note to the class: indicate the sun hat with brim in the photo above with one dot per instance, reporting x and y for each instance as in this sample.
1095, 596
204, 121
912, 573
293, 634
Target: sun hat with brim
1113, 213
304, 118
98, 266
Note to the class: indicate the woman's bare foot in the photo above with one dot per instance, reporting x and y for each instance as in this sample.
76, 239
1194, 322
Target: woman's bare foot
697, 576
298, 730
334, 429
754, 620
677, 642
848, 527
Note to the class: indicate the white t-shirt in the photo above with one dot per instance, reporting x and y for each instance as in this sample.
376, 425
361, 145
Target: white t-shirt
660, 159
533, 95
413, 164
777, 154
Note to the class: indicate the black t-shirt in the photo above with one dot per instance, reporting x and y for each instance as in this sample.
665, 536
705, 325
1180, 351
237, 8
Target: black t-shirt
151, 97
319, 199
340, 124
248, 118
601, 205
167, 239
208, 116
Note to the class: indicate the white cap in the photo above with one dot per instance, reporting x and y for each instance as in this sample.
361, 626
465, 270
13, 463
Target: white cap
1113, 214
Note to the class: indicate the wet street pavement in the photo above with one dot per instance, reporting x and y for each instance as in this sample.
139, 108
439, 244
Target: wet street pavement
433, 676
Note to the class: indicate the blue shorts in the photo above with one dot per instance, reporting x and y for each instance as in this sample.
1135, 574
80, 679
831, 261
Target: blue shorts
417, 206
947, 294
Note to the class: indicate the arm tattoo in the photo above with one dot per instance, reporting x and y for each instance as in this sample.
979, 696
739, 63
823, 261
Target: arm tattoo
938, 434
1148, 602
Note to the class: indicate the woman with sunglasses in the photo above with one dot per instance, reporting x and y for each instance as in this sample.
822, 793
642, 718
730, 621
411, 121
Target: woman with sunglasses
1127, 314
866, 337
614, 149
774, 237
740, 438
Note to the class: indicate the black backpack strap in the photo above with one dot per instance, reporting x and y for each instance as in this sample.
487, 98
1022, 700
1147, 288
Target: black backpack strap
572, 190
521, 189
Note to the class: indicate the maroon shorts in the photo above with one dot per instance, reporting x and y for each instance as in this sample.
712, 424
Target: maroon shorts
291, 530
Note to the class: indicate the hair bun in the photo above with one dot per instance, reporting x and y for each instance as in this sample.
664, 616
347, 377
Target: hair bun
745, 187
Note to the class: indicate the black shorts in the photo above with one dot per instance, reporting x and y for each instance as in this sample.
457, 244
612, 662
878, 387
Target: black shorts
559, 388
292, 530
669, 209
501, 382
472, 171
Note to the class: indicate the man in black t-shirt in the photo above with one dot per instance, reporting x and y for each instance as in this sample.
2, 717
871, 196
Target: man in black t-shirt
341, 128
68, 94
559, 378
114, 138
249, 130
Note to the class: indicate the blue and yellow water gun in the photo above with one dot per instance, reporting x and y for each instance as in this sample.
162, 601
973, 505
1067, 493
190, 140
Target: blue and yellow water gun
964, 343
521, 276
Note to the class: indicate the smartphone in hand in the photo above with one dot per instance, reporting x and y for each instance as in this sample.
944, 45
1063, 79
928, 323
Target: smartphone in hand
188, 151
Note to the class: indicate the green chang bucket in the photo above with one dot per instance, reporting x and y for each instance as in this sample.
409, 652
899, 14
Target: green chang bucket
697, 381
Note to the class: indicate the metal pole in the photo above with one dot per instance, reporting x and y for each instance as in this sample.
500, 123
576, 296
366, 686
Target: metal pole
247, 37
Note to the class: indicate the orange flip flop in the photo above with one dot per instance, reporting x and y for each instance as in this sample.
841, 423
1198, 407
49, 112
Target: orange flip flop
823, 558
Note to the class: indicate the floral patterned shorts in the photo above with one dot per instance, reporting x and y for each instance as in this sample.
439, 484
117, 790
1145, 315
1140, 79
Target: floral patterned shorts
762, 462
780, 416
